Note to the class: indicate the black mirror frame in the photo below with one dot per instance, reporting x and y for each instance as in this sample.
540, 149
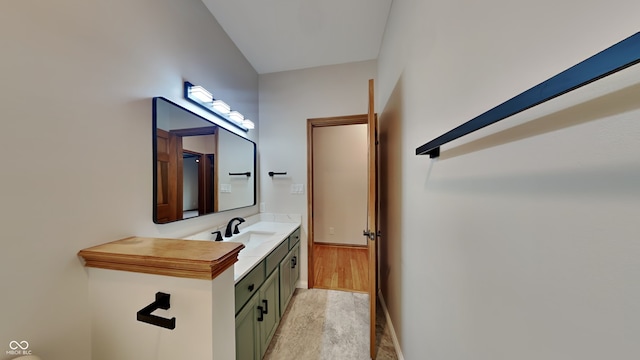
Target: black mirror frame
155, 162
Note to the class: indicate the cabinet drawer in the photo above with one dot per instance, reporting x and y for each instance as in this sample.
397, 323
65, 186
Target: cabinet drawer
273, 260
294, 238
249, 285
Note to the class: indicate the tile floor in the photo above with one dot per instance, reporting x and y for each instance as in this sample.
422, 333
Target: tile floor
328, 325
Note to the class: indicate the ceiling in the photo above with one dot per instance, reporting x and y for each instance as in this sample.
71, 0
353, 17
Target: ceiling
281, 35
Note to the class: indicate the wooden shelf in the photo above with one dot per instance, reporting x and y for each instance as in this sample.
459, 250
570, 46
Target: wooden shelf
171, 257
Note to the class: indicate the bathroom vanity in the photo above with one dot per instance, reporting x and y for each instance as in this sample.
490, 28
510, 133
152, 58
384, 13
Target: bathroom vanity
265, 277
211, 287
262, 296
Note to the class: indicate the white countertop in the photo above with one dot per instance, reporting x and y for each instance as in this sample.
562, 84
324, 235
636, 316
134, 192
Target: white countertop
268, 231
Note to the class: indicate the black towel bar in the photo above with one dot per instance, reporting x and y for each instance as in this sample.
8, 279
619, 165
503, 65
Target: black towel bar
247, 174
271, 173
613, 59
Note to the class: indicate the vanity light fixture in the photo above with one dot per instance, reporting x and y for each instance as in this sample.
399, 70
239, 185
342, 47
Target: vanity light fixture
221, 107
204, 99
201, 94
248, 124
236, 116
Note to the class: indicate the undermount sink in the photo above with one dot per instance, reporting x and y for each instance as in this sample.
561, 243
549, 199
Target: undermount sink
251, 239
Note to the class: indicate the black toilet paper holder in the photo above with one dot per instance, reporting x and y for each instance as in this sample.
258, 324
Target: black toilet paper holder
162, 302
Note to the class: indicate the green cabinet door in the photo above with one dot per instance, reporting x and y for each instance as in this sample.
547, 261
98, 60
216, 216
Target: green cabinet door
270, 308
247, 345
259, 316
289, 275
285, 282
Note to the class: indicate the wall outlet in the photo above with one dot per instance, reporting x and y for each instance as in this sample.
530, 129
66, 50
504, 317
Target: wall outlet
263, 207
332, 230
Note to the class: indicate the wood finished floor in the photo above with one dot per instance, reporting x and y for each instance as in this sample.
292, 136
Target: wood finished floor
341, 267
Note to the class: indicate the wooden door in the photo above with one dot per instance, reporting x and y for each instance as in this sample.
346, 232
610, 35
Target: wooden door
169, 177
372, 217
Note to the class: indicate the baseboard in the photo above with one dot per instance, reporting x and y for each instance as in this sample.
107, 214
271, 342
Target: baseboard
392, 331
302, 284
341, 245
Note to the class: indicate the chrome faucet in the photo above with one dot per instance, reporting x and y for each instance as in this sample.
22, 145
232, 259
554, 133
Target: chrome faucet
227, 232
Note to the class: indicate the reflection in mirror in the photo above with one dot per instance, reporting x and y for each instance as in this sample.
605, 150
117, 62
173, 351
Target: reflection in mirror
199, 167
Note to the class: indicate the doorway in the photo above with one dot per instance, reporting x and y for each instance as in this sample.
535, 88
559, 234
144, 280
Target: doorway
371, 230
198, 184
337, 151
191, 184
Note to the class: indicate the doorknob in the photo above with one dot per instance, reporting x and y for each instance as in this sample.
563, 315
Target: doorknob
368, 234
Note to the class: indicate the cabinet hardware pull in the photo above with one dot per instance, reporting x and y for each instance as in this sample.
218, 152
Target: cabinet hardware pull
266, 306
251, 287
261, 317
294, 262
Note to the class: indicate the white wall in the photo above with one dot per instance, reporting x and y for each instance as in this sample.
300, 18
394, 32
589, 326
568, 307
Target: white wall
203, 144
77, 81
203, 312
340, 184
517, 243
235, 155
287, 100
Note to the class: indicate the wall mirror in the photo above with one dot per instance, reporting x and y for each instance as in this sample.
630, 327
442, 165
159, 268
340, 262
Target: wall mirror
198, 167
